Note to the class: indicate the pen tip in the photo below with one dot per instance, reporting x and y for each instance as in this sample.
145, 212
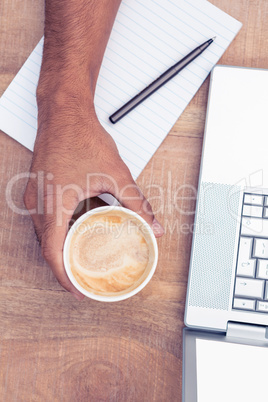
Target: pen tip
214, 37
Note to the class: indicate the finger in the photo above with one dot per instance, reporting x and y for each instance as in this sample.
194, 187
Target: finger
130, 196
51, 236
30, 202
52, 244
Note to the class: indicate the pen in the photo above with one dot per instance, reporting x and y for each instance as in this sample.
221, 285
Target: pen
159, 82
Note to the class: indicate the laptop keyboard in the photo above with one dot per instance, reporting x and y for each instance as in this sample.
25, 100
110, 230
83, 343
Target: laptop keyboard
251, 282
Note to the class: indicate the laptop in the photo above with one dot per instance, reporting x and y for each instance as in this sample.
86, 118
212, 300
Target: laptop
226, 314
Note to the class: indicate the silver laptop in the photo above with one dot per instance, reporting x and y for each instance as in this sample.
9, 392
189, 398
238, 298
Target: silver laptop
227, 297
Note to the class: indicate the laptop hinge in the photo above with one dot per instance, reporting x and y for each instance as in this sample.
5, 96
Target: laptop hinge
247, 331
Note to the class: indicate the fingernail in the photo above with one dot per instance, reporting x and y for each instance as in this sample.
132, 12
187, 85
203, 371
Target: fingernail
78, 296
157, 228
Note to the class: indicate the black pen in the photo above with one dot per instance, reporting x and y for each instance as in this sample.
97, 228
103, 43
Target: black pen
159, 82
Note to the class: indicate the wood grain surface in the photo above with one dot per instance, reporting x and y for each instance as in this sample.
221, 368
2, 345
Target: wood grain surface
54, 348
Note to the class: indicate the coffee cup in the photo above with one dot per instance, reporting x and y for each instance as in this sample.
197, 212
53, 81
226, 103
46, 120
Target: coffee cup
110, 253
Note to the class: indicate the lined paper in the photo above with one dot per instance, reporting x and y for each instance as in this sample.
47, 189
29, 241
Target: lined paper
148, 37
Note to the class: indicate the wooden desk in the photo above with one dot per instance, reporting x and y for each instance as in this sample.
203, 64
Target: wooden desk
54, 348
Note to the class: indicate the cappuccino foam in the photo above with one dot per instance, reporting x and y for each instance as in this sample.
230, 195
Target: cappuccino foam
109, 253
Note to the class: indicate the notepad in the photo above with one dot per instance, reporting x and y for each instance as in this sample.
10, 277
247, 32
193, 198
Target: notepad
148, 37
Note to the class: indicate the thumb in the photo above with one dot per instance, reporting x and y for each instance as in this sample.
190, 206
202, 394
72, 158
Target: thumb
131, 197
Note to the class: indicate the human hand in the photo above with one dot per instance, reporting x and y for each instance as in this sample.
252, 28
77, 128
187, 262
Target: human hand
74, 159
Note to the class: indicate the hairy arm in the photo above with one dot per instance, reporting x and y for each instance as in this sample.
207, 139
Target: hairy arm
73, 154
76, 34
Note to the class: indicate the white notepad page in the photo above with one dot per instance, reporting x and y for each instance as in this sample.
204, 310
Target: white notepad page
229, 372
148, 37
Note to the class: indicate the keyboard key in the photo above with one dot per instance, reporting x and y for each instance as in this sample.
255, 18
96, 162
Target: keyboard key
266, 201
246, 266
254, 227
255, 199
266, 291
265, 213
260, 248
251, 288
262, 269
262, 306
244, 304
252, 210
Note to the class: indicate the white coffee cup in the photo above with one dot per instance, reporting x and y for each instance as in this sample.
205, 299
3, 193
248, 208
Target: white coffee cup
148, 235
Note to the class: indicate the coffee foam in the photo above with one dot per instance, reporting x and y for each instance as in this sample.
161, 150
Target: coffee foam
110, 253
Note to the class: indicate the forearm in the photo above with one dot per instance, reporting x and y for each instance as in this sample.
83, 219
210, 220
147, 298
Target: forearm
76, 34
